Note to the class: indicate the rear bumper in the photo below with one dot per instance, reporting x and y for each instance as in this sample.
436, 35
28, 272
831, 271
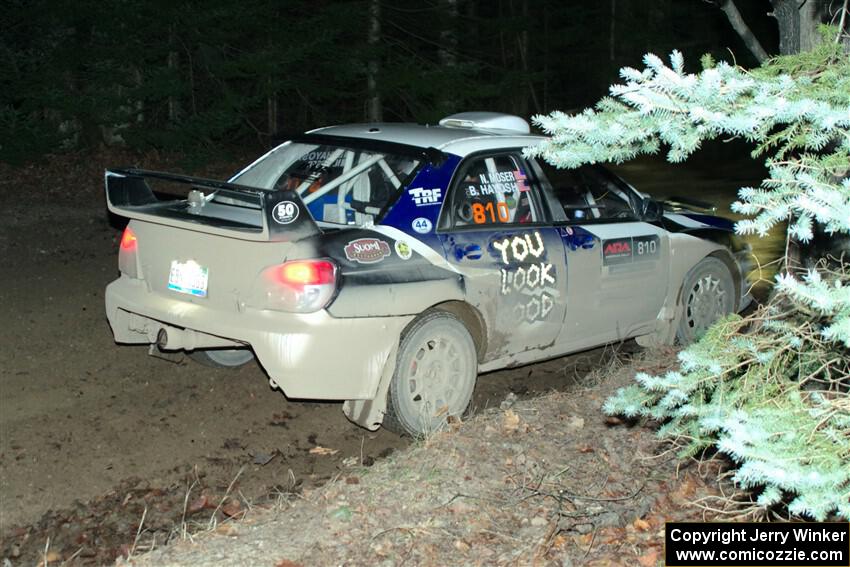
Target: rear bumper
311, 355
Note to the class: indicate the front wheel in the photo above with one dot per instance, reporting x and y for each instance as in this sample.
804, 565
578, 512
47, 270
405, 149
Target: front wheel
223, 357
435, 375
708, 294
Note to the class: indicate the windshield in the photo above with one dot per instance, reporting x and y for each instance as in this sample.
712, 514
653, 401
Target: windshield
339, 185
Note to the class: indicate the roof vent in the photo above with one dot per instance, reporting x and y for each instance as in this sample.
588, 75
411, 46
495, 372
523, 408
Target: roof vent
487, 121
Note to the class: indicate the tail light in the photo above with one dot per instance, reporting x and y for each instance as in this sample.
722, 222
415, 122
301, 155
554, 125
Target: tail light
128, 240
128, 253
300, 286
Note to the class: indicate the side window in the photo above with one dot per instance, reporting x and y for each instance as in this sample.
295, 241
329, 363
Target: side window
590, 193
494, 190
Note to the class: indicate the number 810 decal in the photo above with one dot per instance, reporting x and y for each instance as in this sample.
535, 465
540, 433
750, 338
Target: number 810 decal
500, 212
628, 250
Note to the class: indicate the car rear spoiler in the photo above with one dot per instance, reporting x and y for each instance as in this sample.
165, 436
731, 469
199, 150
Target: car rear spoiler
214, 207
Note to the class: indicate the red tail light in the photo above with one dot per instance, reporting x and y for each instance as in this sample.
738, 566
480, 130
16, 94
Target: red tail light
308, 272
299, 286
128, 240
128, 253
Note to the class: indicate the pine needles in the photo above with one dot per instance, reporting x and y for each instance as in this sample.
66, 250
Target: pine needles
771, 390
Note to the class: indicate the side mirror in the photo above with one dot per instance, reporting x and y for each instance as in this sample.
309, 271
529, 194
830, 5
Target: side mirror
651, 210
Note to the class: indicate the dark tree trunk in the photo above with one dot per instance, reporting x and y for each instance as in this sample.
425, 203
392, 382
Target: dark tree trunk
374, 108
173, 63
742, 29
612, 29
797, 20
447, 52
798, 23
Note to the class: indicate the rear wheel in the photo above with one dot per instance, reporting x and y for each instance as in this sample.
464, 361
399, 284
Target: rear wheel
223, 357
435, 375
707, 295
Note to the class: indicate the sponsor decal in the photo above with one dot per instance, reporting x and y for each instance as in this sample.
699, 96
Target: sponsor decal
526, 281
367, 250
498, 183
527, 277
518, 248
285, 212
535, 309
618, 248
626, 250
422, 225
426, 197
403, 250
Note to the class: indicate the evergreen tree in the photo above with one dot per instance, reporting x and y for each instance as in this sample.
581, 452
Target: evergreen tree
771, 390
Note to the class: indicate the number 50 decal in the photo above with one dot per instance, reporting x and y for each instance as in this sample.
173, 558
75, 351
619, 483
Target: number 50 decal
285, 212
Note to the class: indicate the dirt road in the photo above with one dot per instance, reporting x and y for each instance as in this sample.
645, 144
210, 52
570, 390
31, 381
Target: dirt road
84, 421
94, 436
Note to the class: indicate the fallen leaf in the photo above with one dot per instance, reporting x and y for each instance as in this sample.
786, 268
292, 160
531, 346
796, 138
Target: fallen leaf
461, 545
559, 541
640, 524
686, 488
199, 504
262, 458
510, 421
226, 529
287, 563
610, 535
319, 450
585, 448
352, 480
613, 420
232, 508
19, 532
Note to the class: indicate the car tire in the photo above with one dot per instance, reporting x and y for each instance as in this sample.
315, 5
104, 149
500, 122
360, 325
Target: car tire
223, 357
435, 374
708, 293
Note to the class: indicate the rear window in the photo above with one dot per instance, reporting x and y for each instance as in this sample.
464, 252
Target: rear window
339, 185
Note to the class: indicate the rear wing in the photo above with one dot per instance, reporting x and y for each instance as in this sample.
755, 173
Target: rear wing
214, 207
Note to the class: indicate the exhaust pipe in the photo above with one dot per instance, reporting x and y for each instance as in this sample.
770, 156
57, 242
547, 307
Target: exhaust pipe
162, 339
173, 338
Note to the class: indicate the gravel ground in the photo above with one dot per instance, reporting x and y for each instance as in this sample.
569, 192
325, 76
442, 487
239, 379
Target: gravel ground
534, 482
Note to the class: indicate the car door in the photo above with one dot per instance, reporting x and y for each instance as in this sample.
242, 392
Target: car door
617, 264
495, 229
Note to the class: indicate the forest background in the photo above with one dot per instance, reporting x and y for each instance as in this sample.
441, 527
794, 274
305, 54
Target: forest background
202, 77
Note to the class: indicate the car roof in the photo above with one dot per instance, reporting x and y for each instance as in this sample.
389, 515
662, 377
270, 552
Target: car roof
457, 140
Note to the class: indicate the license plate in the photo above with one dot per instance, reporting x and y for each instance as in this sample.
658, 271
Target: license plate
188, 277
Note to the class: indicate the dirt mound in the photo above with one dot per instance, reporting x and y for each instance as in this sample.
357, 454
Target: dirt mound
533, 481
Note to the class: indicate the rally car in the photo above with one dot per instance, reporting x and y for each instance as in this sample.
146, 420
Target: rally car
388, 265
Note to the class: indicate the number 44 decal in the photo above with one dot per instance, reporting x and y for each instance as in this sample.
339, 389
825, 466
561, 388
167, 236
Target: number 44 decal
422, 225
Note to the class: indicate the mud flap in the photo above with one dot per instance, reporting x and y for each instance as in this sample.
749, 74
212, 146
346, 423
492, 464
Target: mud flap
665, 328
369, 414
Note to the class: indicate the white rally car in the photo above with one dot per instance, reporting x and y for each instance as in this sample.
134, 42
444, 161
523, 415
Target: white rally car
388, 265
